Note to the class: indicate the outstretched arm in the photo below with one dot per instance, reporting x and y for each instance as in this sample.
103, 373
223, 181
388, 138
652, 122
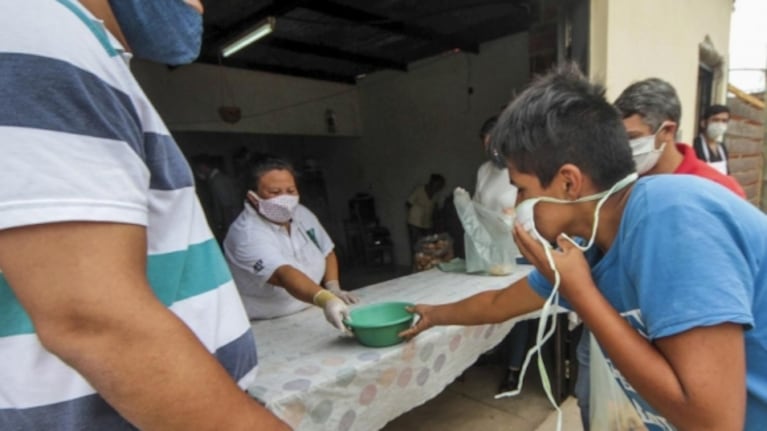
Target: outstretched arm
492, 306
84, 286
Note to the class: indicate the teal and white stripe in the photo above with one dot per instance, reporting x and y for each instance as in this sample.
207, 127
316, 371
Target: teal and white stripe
80, 141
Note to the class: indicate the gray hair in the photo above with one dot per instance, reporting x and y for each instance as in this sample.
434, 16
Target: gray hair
653, 99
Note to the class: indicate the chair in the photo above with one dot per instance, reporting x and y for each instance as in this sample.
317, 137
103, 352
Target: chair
367, 241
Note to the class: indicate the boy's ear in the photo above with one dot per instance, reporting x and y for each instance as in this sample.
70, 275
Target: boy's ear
570, 178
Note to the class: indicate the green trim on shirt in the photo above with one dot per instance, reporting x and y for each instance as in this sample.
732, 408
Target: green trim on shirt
95, 27
173, 276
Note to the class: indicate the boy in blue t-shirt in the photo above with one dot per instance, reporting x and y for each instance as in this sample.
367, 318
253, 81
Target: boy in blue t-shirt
679, 311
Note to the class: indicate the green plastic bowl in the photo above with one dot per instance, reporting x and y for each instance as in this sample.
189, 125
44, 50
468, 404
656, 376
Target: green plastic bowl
378, 325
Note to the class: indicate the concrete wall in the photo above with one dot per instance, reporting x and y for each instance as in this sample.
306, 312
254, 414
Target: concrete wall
427, 120
633, 40
407, 124
188, 99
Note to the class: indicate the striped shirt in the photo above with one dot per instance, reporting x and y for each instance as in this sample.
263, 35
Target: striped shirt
79, 141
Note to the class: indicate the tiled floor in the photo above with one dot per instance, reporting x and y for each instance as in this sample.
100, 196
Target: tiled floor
468, 402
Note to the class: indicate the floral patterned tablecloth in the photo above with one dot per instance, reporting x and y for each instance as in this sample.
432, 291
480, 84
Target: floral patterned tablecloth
315, 379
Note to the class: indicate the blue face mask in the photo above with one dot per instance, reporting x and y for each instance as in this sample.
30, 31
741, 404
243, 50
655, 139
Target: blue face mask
164, 31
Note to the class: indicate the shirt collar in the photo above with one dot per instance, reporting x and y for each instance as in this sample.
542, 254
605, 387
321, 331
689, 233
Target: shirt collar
689, 159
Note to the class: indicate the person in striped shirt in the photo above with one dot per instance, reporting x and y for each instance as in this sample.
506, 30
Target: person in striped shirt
117, 310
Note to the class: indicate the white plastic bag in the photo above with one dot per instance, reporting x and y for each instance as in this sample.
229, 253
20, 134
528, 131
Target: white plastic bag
490, 248
609, 407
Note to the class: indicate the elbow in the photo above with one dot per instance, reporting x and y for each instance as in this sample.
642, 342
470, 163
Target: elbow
66, 334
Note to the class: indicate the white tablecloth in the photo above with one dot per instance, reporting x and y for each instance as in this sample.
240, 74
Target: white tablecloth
315, 379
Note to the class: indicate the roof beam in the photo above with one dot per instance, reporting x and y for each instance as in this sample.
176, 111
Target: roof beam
281, 70
335, 53
348, 13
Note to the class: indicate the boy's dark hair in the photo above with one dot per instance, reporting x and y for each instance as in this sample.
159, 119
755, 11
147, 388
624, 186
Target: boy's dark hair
563, 118
712, 110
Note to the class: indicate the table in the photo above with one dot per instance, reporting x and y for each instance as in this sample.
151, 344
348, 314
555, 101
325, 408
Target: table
315, 379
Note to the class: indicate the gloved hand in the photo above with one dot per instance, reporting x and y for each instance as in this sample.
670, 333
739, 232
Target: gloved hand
335, 310
334, 287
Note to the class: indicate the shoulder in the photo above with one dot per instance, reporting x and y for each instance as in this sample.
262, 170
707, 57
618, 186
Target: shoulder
678, 196
246, 226
305, 215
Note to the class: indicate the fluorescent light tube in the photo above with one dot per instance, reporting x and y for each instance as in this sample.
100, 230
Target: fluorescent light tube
257, 32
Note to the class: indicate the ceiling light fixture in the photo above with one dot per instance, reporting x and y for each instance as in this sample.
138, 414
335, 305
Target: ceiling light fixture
255, 33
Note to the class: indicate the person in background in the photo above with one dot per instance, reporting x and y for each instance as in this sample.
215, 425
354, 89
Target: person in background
495, 192
651, 110
709, 145
225, 202
117, 311
679, 315
279, 253
420, 209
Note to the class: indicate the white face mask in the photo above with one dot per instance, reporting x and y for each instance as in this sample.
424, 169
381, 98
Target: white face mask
644, 152
716, 131
279, 209
526, 217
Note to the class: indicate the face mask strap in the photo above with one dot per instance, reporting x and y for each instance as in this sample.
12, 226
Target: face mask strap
542, 335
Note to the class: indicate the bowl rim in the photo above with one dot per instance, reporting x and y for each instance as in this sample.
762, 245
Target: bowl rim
403, 319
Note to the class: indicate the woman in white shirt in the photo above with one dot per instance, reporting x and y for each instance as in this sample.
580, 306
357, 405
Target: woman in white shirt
279, 253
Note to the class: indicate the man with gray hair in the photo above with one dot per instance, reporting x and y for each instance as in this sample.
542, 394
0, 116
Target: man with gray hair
651, 112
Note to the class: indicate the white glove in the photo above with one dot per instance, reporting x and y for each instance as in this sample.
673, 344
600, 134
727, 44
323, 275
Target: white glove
334, 287
335, 310
461, 195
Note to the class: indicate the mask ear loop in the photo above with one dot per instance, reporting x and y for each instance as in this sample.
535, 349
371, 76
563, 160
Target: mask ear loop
543, 335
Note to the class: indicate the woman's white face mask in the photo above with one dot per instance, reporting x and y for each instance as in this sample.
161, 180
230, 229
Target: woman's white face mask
644, 152
279, 209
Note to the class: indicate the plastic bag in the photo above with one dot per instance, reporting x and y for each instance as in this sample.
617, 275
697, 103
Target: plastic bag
490, 248
609, 407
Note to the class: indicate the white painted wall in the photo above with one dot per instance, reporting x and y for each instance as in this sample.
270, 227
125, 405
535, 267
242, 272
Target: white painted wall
188, 99
634, 40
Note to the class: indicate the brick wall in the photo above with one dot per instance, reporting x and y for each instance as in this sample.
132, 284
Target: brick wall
745, 140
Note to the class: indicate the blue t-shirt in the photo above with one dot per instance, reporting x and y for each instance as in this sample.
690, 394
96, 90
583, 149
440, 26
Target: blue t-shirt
688, 253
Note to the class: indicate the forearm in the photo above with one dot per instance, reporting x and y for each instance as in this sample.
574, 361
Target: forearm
492, 306
331, 267
672, 388
296, 283
147, 364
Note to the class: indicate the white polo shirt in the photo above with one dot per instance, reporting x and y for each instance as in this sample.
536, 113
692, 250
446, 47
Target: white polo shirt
255, 248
